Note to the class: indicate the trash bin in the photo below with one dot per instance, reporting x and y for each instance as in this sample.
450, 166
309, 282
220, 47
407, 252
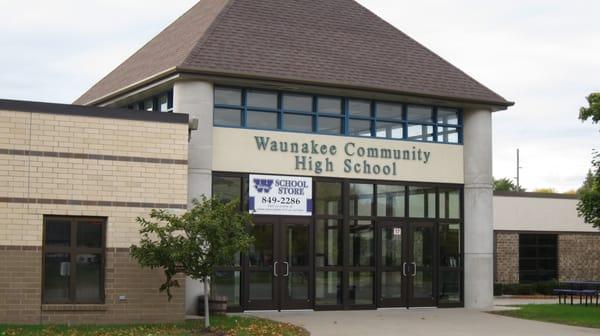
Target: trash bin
216, 304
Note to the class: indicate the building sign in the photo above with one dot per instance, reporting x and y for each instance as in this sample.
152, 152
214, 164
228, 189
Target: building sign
280, 195
245, 150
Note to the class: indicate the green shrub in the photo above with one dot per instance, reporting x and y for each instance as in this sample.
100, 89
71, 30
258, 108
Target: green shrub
539, 288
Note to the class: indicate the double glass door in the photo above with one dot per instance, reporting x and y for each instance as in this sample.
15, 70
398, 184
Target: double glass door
279, 269
406, 264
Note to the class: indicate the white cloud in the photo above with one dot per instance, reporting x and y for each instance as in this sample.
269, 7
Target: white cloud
543, 54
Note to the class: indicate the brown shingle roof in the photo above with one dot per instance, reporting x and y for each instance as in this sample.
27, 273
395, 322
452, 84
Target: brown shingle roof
334, 42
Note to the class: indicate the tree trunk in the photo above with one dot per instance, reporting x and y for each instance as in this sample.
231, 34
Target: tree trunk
206, 308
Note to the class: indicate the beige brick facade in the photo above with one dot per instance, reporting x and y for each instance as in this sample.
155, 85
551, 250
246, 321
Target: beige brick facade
507, 257
579, 256
78, 165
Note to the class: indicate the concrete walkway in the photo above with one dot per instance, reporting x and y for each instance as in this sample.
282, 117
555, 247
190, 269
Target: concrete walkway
420, 322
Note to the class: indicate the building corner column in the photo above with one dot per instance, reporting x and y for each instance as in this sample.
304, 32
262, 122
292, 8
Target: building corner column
196, 99
478, 214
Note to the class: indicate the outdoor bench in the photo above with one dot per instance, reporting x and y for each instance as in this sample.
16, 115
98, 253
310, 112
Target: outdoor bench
582, 293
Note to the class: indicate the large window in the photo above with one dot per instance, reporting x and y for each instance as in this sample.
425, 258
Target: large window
538, 255
295, 112
73, 259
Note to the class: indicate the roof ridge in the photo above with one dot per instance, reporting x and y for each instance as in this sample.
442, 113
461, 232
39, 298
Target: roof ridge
200, 41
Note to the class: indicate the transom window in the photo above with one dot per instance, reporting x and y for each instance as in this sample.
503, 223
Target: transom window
162, 102
73, 261
307, 113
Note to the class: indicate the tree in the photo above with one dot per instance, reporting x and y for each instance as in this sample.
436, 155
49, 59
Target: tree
506, 184
211, 233
592, 111
588, 206
545, 190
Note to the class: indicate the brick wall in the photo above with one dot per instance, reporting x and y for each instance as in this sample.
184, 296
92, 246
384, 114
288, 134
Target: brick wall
507, 257
80, 165
579, 256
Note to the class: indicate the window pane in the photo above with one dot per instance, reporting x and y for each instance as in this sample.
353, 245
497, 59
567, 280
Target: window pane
328, 241
449, 203
163, 103
447, 116
330, 125
361, 244
450, 245
226, 96
227, 117
389, 111
420, 132
450, 287
361, 199
227, 283
421, 202
297, 122
149, 105
261, 251
391, 285
390, 200
262, 99
58, 232
89, 233
389, 130
294, 102
328, 288
361, 288
57, 269
261, 286
329, 105
87, 281
263, 120
361, 108
421, 114
391, 246
226, 188
328, 198
447, 134
359, 127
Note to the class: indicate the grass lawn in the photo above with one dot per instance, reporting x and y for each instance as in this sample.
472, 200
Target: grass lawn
576, 315
221, 325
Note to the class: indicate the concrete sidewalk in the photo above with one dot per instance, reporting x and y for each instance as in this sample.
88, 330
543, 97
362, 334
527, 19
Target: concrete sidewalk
420, 322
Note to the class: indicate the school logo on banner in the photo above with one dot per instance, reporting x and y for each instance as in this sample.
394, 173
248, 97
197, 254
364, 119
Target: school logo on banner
280, 195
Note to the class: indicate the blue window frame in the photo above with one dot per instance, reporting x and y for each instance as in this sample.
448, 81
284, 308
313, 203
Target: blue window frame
310, 113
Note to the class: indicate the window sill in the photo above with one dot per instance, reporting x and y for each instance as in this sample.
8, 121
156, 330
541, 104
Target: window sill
74, 307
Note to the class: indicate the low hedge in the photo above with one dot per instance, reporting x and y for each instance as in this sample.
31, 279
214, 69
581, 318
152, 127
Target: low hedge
539, 288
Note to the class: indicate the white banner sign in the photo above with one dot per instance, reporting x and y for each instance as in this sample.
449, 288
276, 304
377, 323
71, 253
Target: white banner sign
280, 195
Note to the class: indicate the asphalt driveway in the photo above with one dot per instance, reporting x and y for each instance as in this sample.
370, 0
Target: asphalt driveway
420, 322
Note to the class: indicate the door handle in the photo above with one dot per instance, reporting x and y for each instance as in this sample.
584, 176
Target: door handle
414, 265
275, 268
287, 268
403, 269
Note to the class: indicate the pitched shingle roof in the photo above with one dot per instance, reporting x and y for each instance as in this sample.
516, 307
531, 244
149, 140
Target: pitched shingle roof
333, 42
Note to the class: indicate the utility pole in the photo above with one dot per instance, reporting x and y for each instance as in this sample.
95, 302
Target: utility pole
518, 171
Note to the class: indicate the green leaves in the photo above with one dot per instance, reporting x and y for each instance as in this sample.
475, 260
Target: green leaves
589, 195
211, 233
593, 111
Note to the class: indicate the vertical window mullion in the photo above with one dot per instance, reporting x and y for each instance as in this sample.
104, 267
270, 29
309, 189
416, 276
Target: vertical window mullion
73, 262
280, 110
244, 108
435, 124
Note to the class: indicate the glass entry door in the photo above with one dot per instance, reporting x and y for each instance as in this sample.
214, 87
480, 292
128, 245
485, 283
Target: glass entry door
279, 264
406, 265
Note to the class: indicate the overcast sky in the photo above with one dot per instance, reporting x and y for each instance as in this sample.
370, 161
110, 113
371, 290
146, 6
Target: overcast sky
544, 55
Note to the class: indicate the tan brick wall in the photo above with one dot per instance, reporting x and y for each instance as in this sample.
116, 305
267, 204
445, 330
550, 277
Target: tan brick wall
579, 256
132, 174
20, 292
507, 257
